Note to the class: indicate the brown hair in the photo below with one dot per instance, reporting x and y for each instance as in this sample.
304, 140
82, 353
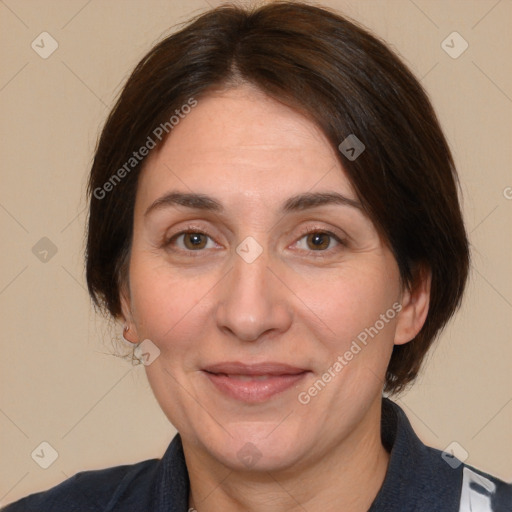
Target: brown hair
345, 80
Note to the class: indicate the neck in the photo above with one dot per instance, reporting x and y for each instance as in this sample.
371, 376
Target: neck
347, 477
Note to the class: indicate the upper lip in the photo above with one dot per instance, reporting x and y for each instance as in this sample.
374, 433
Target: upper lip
266, 368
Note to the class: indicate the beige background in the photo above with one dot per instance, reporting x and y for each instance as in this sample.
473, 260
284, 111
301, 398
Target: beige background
59, 381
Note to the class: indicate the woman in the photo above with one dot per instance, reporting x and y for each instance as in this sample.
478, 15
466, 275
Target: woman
274, 218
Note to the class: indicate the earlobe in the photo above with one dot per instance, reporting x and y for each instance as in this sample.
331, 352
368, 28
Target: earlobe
415, 304
125, 334
129, 329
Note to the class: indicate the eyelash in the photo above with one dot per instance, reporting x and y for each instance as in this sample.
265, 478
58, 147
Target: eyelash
321, 253
193, 230
189, 230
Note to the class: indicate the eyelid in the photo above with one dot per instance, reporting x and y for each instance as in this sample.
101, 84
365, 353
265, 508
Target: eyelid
191, 228
342, 240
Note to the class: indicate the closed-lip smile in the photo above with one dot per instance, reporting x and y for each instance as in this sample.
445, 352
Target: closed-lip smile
253, 383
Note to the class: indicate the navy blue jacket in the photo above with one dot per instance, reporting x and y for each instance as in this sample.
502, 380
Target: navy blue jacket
419, 479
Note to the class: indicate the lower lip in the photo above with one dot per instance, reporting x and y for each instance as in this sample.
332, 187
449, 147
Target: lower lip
254, 391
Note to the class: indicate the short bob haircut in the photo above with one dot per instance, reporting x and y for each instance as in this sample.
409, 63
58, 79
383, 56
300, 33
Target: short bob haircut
343, 79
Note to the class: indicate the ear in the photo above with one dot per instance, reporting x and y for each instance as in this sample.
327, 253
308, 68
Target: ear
130, 332
415, 302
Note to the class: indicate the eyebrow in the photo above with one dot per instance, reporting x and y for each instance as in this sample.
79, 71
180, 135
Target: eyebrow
295, 203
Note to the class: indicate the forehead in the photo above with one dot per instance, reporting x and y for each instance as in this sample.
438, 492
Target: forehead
240, 145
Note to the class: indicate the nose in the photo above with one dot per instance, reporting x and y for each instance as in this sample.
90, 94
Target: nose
253, 302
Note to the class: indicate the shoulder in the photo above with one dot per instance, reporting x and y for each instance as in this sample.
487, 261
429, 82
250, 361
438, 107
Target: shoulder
98, 491
423, 478
474, 489
481, 491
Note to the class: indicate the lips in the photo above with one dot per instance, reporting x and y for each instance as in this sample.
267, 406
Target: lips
254, 383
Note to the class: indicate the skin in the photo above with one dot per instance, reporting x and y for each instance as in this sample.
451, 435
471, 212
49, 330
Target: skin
295, 303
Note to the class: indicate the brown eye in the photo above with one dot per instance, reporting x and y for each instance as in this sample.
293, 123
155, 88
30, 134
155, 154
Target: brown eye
191, 242
318, 241
194, 241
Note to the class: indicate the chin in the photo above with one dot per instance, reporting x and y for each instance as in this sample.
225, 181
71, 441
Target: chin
257, 447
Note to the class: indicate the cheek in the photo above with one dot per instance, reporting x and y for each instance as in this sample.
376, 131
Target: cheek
170, 309
351, 301
167, 304
358, 315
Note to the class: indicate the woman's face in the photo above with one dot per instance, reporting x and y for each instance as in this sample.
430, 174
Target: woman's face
254, 290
